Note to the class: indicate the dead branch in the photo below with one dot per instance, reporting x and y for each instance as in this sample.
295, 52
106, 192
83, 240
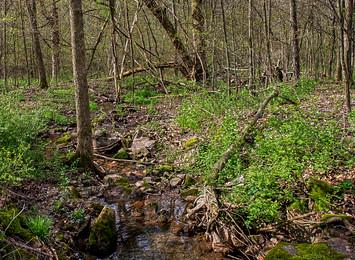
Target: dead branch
240, 142
122, 160
127, 73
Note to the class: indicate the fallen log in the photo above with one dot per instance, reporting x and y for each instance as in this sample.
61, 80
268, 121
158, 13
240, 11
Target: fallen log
240, 142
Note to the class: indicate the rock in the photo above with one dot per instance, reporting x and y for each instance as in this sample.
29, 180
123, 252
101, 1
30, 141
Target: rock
111, 178
148, 180
140, 147
139, 184
121, 154
189, 192
174, 182
64, 139
103, 233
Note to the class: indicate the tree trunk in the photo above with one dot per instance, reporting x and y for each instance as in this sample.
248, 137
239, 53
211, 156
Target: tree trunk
348, 33
55, 37
32, 13
295, 40
114, 49
251, 47
198, 23
187, 63
5, 45
84, 150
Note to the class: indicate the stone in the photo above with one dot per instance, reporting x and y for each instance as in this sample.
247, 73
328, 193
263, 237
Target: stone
141, 146
103, 233
174, 182
111, 178
139, 184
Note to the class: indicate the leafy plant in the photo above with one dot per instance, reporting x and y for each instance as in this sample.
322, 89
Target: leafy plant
40, 226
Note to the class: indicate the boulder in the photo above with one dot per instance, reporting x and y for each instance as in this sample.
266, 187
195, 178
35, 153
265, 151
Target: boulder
103, 233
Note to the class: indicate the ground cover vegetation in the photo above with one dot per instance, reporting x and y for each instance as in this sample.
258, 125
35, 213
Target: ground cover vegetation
177, 129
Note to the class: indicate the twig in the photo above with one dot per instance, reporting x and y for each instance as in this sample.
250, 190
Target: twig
24, 246
12, 220
123, 160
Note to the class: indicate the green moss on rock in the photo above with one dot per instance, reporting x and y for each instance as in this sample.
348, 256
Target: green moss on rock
103, 234
14, 226
303, 251
121, 154
65, 138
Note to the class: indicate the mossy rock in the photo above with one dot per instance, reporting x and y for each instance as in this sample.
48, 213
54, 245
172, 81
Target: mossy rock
189, 192
103, 234
190, 143
164, 168
64, 139
329, 217
121, 154
14, 226
189, 181
303, 251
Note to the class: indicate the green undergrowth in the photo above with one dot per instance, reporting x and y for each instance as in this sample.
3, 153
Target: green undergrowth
21, 125
267, 175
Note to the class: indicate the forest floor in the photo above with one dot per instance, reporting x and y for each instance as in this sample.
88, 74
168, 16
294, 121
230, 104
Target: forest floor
147, 156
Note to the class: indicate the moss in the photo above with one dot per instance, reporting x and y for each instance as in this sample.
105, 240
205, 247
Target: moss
321, 193
123, 183
189, 181
121, 154
300, 205
189, 192
65, 138
103, 234
190, 143
165, 168
18, 225
327, 217
303, 251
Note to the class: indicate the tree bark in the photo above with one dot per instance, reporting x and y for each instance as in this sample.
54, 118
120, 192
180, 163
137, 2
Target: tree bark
348, 33
251, 47
114, 49
295, 39
198, 23
84, 150
32, 13
55, 38
187, 63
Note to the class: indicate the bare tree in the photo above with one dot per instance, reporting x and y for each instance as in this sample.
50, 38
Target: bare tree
295, 40
32, 13
348, 33
55, 38
84, 150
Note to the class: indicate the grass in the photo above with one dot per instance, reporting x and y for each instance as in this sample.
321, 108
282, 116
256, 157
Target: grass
40, 226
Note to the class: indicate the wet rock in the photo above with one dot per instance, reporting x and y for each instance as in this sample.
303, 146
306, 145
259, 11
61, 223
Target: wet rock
103, 234
342, 246
174, 182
